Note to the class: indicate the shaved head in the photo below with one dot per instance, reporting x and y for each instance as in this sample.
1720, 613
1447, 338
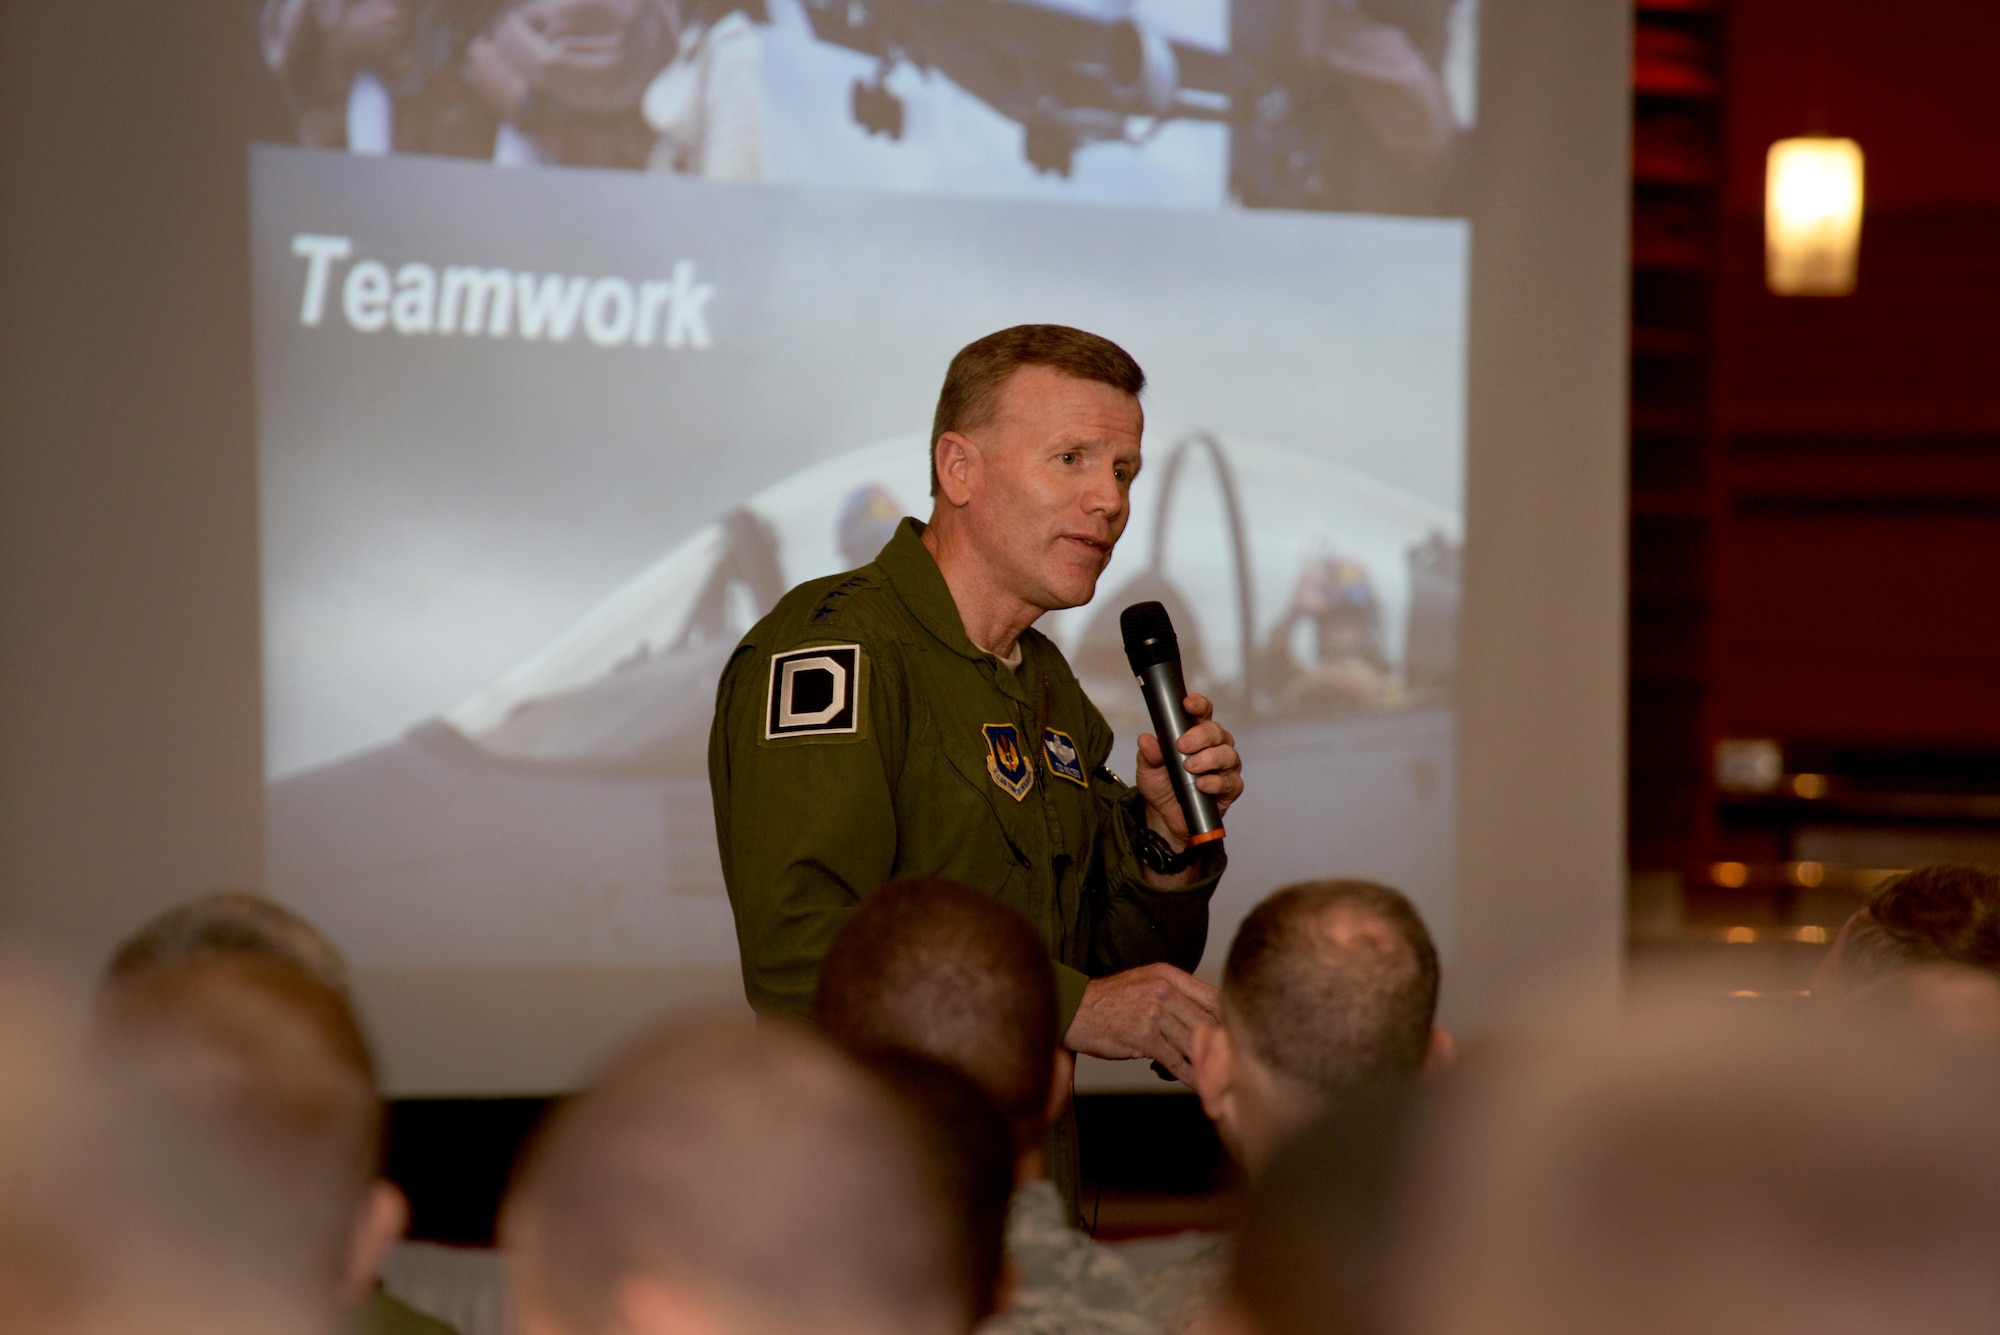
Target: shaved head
231, 1013
229, 924
756, 1168
1334, 986
933, 967
270, 1062
227, 1021
118, 1212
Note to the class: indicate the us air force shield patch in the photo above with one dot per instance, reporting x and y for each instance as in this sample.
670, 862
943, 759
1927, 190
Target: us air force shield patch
814, 692
1004, 761
1061, 752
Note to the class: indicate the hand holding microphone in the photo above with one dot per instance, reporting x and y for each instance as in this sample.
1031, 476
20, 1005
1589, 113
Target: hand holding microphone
1189, 771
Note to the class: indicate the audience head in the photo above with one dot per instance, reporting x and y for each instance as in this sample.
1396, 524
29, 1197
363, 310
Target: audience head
930, 966
1330, 989
115, 1218
1945, 913
727, 1178
228, 1018
969, 1137
1728, 1171
1318, 1224
229, 924
55, 1247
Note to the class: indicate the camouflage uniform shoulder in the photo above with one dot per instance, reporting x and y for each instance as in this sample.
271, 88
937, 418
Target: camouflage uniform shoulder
1068, 1283
1180, 1293
385, 1314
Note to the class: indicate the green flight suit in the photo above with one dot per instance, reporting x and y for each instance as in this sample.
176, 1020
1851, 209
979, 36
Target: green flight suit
860, 736
384, 1314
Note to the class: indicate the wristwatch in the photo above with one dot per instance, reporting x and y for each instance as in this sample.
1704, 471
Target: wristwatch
1158, 854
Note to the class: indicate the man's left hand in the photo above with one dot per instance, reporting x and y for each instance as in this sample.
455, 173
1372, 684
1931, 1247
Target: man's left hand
1211, 758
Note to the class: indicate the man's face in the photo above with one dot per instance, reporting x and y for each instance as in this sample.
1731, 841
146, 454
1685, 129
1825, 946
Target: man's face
1051, 489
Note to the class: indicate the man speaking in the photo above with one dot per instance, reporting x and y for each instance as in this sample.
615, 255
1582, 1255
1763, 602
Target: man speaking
905, 718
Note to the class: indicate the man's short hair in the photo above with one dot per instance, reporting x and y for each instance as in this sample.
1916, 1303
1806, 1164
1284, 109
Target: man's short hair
1334, 1013
972, 383
108, 1211
230, 1014
934, 967
756, 1166
1945, 913
230, 923
266, 1065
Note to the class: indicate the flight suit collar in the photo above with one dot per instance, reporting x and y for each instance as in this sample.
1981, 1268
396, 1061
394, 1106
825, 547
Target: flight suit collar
913, 573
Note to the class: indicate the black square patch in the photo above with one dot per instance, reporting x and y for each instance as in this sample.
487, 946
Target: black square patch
814, 692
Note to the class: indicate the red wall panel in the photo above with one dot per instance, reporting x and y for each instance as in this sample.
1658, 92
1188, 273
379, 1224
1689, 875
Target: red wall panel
1863, 627
1912, 83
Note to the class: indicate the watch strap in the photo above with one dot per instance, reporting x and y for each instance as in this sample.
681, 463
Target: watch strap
1158, 854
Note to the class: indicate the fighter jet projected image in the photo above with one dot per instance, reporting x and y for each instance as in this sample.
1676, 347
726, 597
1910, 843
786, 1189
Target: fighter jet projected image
1317, 606
1360, 105
1068, 74
1330, 104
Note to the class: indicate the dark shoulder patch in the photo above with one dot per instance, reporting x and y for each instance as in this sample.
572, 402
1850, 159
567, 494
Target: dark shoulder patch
816, 693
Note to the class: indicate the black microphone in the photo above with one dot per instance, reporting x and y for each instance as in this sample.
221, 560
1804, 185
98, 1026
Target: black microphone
1154, 652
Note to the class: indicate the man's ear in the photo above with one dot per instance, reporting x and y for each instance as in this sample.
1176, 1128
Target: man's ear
1442, 1054
957, 462
380, 1221
1213, 1056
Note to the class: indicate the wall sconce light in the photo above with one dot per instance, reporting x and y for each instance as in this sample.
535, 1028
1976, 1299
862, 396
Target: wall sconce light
1812, 216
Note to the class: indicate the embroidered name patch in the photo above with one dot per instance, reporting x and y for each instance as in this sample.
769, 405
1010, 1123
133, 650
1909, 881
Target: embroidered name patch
1063, 760
1004, 761
814, 692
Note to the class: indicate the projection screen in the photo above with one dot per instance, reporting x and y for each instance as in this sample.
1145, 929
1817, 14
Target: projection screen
583, 328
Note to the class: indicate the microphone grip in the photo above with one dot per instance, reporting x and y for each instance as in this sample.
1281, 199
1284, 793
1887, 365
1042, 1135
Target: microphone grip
1164, 689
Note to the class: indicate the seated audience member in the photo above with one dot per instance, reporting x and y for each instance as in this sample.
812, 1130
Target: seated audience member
1318, 1225
105, 1211
231, 1015
971, 1139
229, 924
1330, 993
1720, 1172
1941, 914
1331, 988
737, 1180
936, 968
